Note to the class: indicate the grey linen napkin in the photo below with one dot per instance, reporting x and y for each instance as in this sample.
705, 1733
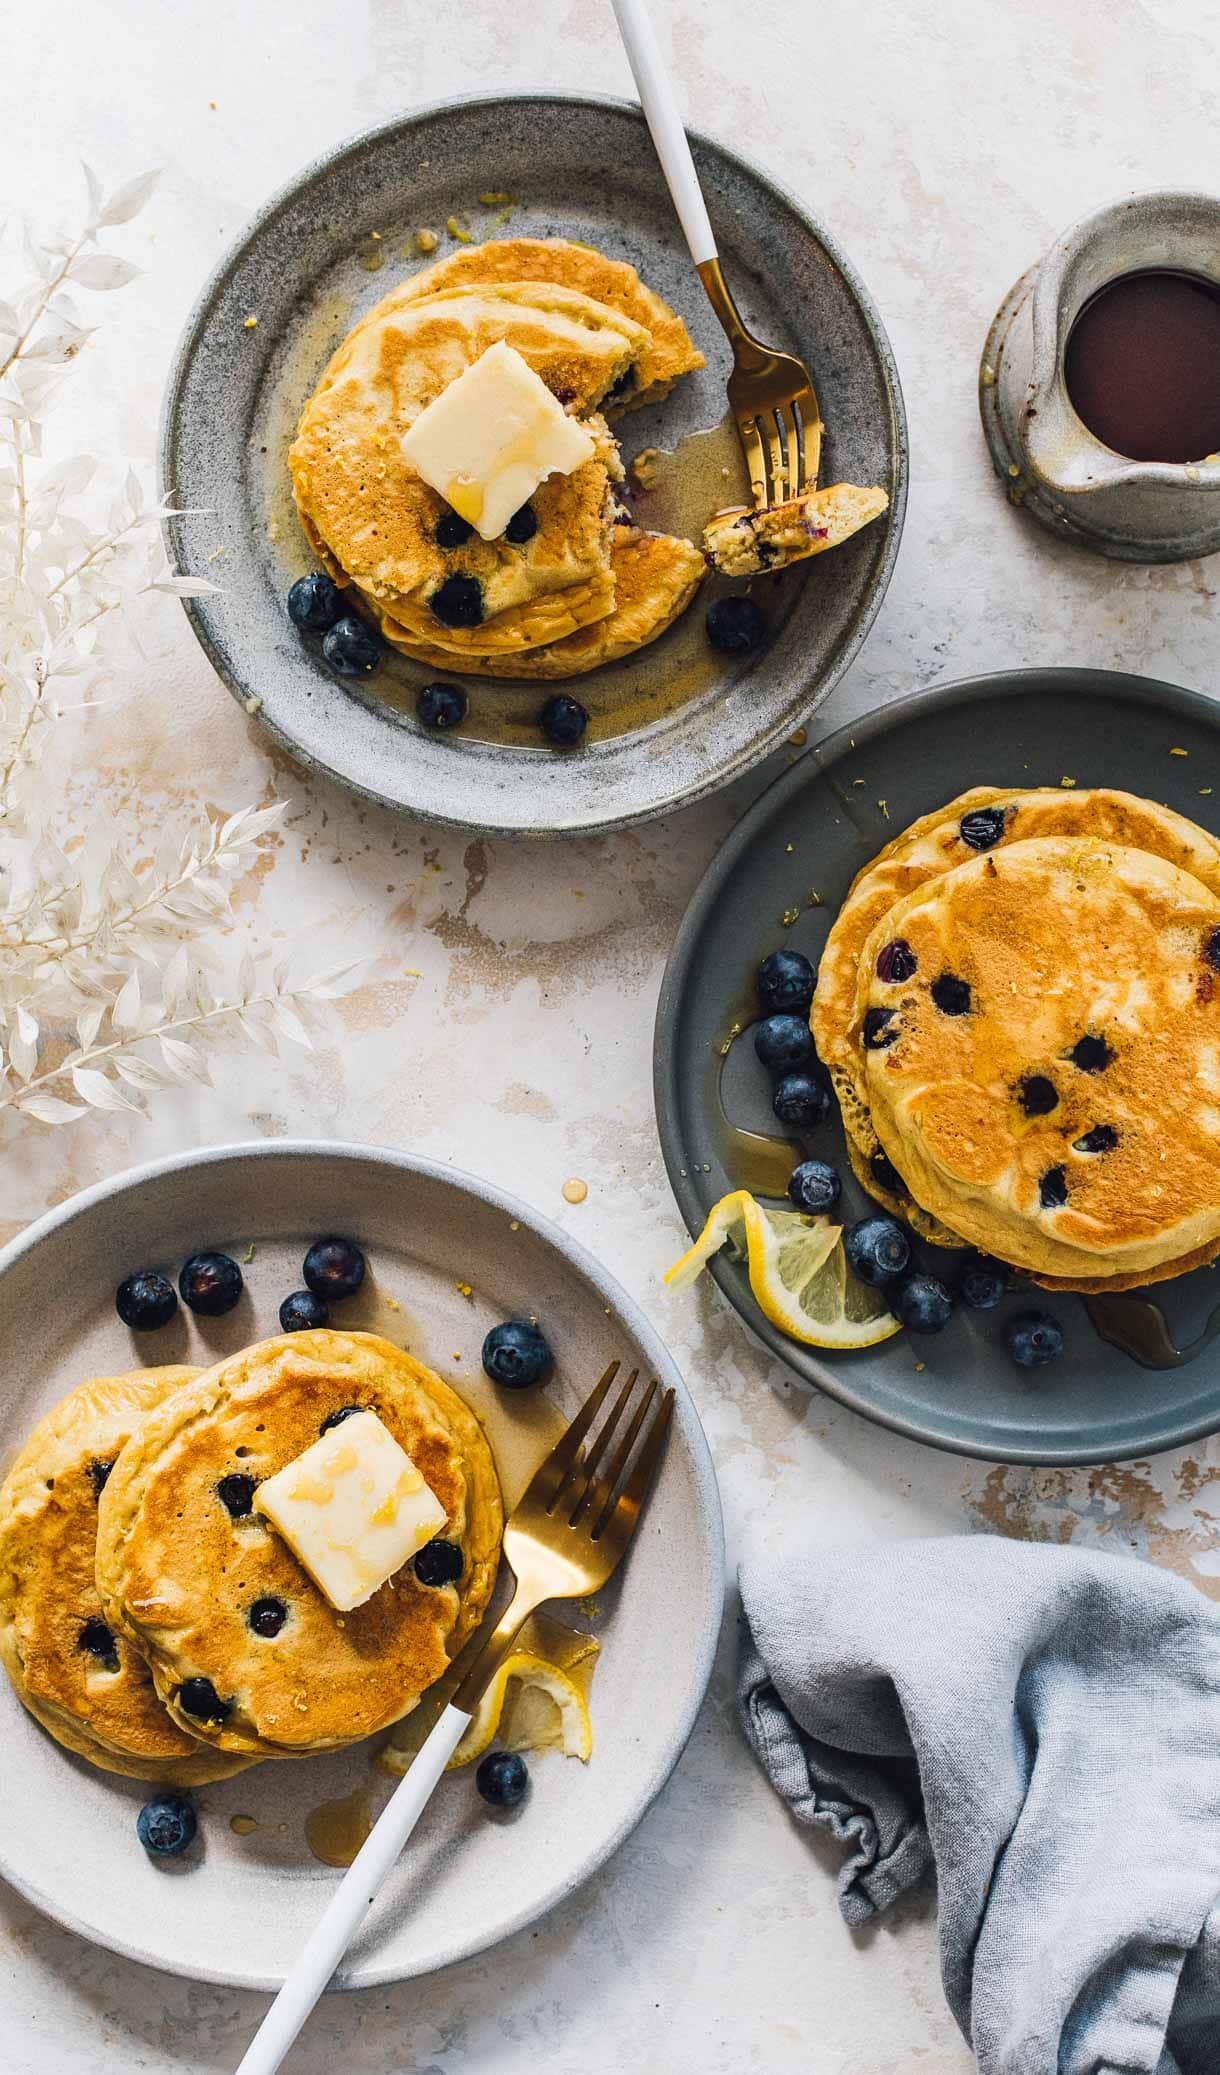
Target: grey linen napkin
1041, 1725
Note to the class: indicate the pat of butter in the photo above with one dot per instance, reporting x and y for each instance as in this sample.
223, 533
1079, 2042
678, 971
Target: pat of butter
353, 1508
488, 440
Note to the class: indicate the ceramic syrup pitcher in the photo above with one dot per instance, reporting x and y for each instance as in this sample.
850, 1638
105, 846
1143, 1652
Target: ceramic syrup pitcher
1056, 468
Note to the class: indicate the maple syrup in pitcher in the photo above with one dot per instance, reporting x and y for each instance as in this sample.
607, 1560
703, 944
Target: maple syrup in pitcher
1142, 366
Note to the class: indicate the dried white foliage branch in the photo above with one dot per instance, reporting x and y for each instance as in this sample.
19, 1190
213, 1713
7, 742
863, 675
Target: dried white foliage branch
107, 987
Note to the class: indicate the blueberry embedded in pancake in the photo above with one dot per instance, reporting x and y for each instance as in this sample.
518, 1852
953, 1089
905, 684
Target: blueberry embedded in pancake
1076, 970
245, 1649
87, 1684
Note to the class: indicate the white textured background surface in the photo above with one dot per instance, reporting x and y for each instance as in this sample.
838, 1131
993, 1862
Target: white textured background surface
944, 148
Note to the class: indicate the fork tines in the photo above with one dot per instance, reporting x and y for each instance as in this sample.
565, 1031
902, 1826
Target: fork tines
580, 1490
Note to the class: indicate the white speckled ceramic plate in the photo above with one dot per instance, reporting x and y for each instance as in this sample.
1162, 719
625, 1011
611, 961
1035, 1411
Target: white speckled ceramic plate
668, 724
237, 1908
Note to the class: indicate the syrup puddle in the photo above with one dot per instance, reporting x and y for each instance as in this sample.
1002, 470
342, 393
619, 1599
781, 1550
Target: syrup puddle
678, 489
335, 1830
1140, 1329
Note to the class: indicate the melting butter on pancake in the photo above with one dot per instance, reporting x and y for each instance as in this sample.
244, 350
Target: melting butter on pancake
1082, 971
931, 846
179, 1573
655, 577
89, 1687
379, 519
743, 543
666, 353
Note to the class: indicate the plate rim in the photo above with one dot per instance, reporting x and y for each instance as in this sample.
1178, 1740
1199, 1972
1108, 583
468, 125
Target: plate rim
710, 1511
748, 756
1078, 679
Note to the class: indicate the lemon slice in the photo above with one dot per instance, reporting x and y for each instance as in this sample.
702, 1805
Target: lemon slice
531, 1705
798, 1273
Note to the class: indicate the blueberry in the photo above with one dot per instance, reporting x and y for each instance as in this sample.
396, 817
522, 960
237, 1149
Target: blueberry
1091, 1054
522, 526
267, 1616
166, 1825
924, 1304
458, 602
336, 1419
878, 1251
98, 1472
516, 1354
896, 962
1211, 949
199, 1699
99, 1642
439, 1563
735, 625
563, 721
315, 603
885, 1174
785, 983
981, 1282
334, 1268
1033, 1338
236, 1494
880, 1029
1102, 1138
814, 1186
1052, 1188
982, 828
783, 1042
451, 531
302, 1311
801, 1100
1037, 1095
211, 1284
502, 1779
351, 648
145, 1301
441, 706
951, 995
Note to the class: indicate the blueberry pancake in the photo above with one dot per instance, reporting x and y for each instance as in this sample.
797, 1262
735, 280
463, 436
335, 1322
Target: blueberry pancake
1042, 1062
745, 543
655, 577
668, 351
391, 533
88, 1686
245, 1649
980, 822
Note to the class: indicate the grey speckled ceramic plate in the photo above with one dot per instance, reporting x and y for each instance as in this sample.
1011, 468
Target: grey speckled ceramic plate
668, 725
238, 1907
814, 829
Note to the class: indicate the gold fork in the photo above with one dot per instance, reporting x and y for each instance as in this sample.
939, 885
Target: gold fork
562, 1540
771, 394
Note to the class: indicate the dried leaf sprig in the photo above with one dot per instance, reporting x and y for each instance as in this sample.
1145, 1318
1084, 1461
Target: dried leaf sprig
107, 972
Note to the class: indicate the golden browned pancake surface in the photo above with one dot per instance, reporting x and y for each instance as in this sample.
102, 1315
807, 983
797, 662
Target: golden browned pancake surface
655, 577
1046, 1073
98, 1701
668, 351
931, 846
179, 1572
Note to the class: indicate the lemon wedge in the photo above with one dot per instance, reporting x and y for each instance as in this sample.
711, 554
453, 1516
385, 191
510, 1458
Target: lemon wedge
531, 1705
798, 1273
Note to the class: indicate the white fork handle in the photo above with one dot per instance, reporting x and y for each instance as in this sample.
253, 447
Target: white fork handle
341, 1919
661, 110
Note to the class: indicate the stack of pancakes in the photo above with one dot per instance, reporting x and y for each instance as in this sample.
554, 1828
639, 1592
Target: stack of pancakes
131, 1558
1019, 1006
586, 587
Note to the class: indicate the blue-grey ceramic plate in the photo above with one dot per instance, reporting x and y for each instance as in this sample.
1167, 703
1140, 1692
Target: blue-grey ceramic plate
669, 724
238, 1907
813, 830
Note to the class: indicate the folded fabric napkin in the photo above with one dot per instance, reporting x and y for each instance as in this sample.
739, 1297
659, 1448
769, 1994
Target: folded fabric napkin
1041, 1725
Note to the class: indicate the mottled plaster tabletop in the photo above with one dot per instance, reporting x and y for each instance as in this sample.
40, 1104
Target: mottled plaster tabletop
506, 1020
